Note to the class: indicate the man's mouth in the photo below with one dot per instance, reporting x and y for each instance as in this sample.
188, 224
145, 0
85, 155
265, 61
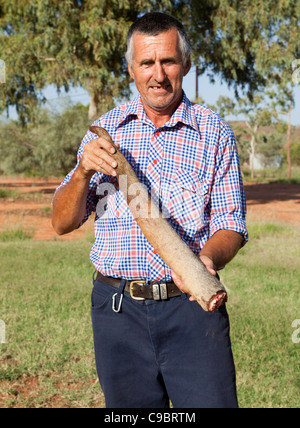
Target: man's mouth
161, 88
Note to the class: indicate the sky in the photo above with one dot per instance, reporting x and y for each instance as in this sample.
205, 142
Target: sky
208, 91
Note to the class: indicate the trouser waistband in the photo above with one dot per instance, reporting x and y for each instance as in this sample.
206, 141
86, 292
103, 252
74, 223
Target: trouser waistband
139, 290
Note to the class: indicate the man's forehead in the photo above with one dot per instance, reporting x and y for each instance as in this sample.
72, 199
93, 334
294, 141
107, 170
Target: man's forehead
167, 40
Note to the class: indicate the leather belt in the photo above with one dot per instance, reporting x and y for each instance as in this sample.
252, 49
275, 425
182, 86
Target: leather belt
139, 290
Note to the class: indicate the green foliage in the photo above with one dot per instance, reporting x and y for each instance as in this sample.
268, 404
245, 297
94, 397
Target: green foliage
48, 147
257, 134
15, 234
269, 144
295, 152
4, 193
223, 35
66, 43
295, 146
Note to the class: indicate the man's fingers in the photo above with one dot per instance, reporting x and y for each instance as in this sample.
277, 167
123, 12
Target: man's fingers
96, 157
104, 144
103, 160
209, 264
178, 282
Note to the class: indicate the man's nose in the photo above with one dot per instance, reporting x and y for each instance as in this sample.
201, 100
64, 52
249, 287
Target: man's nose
159, 72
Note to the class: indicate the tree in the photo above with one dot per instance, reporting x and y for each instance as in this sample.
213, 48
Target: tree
66, 43
283, 51
224, 36
259, 111
47, 147
254, 42
79, 42
83, 42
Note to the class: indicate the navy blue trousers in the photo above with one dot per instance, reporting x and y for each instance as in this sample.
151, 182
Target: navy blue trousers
153, 352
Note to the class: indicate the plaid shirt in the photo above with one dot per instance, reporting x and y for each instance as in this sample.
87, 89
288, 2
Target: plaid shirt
190, 166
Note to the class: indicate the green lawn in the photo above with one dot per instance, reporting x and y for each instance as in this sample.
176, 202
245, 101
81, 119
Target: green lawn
48, 361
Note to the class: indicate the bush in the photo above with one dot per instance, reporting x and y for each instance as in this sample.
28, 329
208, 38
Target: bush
47, 147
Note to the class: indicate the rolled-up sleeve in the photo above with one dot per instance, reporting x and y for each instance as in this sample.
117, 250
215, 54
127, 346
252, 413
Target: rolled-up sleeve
228, 202
92, 198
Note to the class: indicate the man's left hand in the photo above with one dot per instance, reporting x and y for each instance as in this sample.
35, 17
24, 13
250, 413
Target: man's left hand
209, 264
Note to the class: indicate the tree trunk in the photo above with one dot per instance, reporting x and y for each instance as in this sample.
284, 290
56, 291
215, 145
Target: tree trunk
252, 147
288, 142
197, 80
93, 107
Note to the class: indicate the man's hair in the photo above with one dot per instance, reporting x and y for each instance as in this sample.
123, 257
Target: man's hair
154, 23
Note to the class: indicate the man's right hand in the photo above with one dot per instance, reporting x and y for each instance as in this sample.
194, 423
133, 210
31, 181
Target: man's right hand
70, 200
96, 157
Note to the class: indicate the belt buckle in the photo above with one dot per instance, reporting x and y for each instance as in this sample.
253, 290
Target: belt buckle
131, 290
159, 290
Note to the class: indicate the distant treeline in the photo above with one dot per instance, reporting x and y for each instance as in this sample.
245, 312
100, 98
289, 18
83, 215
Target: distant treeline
48, 147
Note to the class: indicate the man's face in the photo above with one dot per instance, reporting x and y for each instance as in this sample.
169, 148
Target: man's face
158, 69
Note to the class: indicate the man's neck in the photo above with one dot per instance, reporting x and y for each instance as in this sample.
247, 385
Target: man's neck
159, 118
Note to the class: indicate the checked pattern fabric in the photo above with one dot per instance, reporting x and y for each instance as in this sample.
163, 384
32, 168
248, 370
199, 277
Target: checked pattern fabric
191, 169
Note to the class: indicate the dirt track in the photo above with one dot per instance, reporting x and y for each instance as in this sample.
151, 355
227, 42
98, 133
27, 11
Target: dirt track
30, 206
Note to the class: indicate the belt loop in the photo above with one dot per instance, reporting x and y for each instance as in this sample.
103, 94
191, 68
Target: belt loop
121, 294
95, 276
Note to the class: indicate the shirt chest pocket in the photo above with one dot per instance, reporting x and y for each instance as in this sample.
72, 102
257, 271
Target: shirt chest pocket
188, 199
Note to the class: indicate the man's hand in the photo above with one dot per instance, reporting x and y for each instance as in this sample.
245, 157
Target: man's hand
209, 264
216, 253
95, 159
70, 200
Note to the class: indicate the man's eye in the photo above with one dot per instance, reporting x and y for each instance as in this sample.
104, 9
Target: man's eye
147, 63
170, 62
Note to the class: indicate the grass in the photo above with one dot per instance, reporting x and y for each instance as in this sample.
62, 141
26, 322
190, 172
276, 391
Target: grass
45, 300
15, 234
264, 300
48, 359
4, 193
273, 175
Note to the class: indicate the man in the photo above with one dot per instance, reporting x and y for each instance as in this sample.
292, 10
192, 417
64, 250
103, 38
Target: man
151, 351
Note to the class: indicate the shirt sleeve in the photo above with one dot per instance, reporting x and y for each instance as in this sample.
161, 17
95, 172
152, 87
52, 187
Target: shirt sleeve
228, 203
92, 198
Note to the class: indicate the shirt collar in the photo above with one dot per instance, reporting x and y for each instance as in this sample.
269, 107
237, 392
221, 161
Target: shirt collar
184, 113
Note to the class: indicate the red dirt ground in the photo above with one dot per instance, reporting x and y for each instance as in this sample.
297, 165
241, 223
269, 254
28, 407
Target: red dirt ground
30, 206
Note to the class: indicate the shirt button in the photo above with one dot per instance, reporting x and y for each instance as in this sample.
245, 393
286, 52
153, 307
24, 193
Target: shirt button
155, 161
154, 252
157, 134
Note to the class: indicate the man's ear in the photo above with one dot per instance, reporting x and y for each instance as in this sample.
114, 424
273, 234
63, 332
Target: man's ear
187, 66
130, 72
